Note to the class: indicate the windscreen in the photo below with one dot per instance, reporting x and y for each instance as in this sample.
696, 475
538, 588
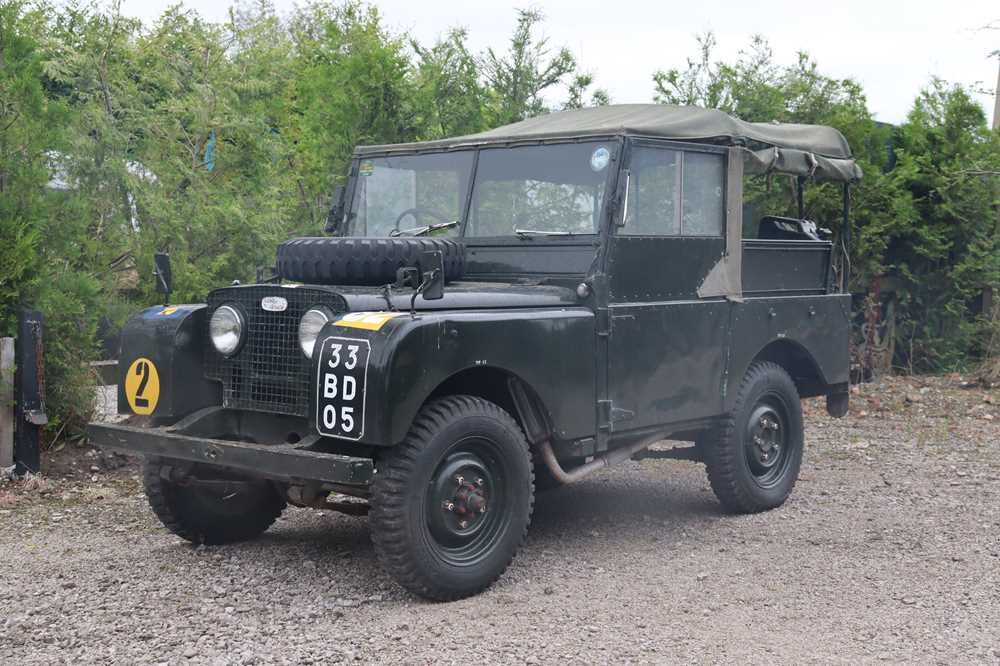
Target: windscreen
555, 189
410, 194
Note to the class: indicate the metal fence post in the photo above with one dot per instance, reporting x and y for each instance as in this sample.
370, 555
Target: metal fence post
30, 392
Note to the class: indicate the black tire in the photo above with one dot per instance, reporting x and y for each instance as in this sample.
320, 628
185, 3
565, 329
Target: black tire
420, 541
753, 459
362, 261
232, 508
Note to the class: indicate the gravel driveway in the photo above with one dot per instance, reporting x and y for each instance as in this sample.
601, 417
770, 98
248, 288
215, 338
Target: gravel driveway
888, 550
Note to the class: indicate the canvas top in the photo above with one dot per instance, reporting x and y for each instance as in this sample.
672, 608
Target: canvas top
811, 150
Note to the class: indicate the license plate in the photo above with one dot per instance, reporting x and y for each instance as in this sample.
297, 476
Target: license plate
341, 379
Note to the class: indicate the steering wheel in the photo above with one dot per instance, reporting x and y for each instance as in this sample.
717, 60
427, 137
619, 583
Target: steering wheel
417, 212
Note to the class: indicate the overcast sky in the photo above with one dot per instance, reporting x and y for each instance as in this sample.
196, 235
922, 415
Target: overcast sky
893, 47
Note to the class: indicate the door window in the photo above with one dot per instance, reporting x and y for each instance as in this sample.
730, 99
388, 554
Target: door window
675, 193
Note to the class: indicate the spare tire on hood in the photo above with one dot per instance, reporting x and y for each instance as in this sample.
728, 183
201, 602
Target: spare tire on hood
363, 261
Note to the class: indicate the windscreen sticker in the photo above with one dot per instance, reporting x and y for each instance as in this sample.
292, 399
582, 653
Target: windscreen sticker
367, 168
599, 159
370, 321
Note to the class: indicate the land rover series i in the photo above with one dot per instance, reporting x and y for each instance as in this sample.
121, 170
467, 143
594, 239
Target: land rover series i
495, 313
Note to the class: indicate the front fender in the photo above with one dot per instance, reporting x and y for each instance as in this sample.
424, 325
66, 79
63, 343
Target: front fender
551, 350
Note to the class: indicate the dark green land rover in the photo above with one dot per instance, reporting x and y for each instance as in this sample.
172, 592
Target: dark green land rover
495, 314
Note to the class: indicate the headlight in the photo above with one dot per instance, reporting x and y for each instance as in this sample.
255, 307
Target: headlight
226, 329
309, 327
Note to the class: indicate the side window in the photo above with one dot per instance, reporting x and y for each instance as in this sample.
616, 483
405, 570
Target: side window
704, 195
675, 193
653, 193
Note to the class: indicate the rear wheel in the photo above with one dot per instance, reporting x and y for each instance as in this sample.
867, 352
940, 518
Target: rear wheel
451, 504
753, 460
211, 505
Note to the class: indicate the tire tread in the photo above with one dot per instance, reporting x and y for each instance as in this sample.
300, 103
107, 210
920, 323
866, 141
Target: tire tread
387, 517
724, 455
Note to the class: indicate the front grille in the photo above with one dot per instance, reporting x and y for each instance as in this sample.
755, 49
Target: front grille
269, 373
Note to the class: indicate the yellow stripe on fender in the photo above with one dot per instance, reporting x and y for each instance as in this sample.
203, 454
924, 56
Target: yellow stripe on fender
370, 321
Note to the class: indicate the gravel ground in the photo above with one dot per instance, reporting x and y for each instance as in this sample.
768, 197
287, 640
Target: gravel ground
888, 550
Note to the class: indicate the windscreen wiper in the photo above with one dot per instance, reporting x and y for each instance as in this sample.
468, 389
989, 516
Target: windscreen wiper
423, 230
527, 233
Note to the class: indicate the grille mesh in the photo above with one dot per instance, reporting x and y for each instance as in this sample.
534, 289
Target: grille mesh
269, 373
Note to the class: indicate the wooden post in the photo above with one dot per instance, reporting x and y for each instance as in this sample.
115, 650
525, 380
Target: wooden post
6, 402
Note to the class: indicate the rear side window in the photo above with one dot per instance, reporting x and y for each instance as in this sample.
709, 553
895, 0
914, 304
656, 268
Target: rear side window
675, 193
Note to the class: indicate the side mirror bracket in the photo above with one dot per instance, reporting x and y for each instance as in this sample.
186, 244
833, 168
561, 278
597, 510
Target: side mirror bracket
163, 274
432, 276
336, 214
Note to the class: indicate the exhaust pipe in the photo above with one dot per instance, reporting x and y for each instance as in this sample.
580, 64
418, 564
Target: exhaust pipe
606, 459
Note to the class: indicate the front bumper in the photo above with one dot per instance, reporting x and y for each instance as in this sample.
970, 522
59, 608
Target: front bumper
186, 441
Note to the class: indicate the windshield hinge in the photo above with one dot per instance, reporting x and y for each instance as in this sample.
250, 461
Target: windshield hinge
603, 322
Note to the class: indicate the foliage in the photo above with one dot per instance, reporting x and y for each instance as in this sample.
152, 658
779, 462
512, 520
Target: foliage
924, 226
216, 141
24, 113
516, 80
212, 142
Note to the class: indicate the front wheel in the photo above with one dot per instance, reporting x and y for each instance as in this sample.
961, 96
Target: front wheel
753, 459
451, 504
211, 505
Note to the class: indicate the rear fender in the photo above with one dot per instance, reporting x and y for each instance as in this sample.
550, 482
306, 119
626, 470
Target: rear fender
807, 335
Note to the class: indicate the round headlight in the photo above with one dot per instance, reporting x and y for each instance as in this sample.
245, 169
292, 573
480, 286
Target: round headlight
226, 329
309, 327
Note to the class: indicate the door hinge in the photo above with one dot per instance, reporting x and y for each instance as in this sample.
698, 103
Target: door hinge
610, 415
619, 414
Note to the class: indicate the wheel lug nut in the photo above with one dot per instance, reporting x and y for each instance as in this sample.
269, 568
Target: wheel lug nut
463, 524
482, 509
479, 481
448, 506
460, 480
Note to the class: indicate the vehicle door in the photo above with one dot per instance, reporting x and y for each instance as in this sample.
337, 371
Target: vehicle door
666, 344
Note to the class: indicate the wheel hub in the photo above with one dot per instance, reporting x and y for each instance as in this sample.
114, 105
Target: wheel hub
468, 503
766, 439
460, 499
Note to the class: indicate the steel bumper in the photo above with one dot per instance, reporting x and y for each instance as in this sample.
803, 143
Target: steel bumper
278, 461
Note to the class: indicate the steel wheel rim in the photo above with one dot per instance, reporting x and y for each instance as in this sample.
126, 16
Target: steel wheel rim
465, 502
767, 444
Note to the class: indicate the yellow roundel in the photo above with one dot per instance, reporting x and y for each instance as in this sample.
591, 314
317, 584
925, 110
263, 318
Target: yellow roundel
142, 386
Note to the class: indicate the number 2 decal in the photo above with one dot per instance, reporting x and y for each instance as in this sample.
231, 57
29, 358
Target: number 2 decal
143, 371
142, 386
